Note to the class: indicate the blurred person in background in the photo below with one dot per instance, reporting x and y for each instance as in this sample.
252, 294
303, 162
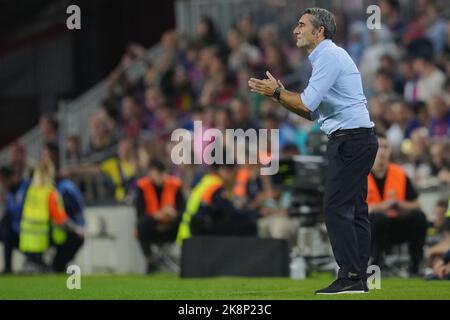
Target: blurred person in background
43, 217
357, 40
392, 18
246, 29
394, 210
408, 78
118, 172
276, 60
400, 118
15, 186
101, 135
241, 114
440, 158
159, 204
70, 242
420, 117
130, 115
207, 33
435, 26
430, 80
440, 117
242, 54
418, 155
383, 84
210, 211
121, 170
378, 107
19, 161
441, 225
380, 42
74, 152
48, 127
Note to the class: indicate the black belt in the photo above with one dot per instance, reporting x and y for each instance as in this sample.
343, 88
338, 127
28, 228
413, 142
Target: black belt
349, 132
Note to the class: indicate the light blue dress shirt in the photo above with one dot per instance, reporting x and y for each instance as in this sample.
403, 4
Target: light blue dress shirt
334, 94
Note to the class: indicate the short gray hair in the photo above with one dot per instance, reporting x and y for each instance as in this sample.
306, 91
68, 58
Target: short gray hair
322, 18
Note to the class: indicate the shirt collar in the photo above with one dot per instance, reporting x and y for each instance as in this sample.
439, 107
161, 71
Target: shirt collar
322, 45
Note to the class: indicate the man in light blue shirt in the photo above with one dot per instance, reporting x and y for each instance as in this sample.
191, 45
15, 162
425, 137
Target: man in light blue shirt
334, 96
334, 93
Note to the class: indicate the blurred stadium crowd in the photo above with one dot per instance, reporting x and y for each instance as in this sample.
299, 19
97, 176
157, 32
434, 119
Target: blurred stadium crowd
405, 67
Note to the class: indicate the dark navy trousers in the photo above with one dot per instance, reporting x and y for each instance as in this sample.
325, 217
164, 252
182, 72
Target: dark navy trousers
350, 159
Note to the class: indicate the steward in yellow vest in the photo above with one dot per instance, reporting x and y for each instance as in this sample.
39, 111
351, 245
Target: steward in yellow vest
209, 210
43, 216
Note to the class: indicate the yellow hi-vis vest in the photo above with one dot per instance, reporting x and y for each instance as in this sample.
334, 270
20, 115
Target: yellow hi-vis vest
193, 205
35, 223
447, 214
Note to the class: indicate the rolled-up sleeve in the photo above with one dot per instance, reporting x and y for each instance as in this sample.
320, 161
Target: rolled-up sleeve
324, 74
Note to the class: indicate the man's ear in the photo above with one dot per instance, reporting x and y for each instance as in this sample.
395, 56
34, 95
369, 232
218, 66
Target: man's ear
322, 29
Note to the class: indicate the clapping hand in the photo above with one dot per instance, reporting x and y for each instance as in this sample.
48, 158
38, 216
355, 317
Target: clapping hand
265, 87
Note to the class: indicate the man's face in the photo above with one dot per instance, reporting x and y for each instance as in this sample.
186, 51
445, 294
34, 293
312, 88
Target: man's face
304, 32
383, 154
227, 174
157, 176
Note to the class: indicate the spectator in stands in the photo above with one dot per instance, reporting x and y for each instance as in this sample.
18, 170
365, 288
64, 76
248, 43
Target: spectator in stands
394, 210
440, 117
101, 136
120, 171
131, 118
430, 79
378, 109
177, 86
276, 61
242, 54
48, 127
399, 117
268, 36
417, 151
16, 187
383, 84
435, 27
408, 78
20, 163
440, 157
246, 29
420, 118
391, 17
159, 205
357, 41
207, 33
446, 94
380, 42
73, 150
241, 114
